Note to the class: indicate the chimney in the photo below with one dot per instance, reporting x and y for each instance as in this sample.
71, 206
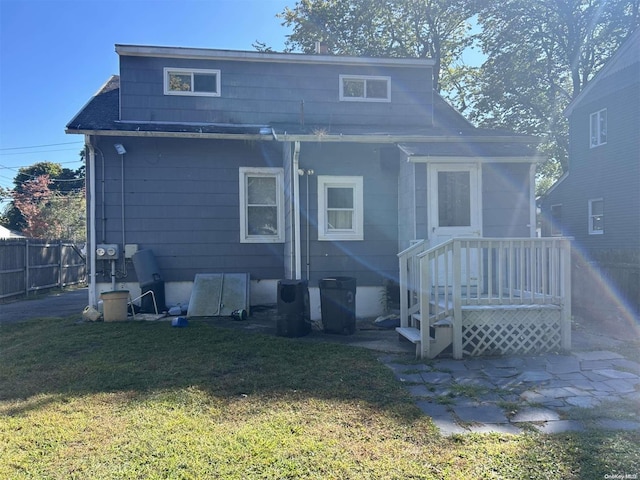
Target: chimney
321, 48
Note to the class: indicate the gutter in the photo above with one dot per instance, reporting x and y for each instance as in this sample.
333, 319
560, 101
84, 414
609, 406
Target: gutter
321, 138
141, 133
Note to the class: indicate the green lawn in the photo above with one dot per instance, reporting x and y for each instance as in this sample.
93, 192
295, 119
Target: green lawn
144, 400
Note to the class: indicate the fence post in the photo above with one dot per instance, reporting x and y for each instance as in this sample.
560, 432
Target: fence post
26, 266
60, 276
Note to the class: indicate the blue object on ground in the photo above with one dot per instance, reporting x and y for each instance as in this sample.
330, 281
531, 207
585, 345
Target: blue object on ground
179, 322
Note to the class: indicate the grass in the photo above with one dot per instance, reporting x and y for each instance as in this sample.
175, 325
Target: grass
144, 400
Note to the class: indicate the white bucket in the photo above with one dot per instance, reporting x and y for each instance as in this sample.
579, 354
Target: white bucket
90, 313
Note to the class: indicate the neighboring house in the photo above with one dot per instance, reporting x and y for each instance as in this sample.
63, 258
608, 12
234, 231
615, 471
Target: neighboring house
288, 166
597, 202
7, 233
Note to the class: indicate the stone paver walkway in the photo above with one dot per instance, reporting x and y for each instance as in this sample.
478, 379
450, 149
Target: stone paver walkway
551, 393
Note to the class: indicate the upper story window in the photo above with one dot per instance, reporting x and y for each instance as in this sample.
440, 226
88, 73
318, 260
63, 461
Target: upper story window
360, 88
261, 205
596, 216
598, 128
180, 81
340, 208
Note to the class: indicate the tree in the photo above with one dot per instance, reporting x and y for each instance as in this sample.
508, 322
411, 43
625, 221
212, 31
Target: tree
436, 29
63, 182
50, 214
540, 56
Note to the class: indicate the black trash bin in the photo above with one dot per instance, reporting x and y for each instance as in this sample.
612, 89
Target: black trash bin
338, 304
294, 319
147, 304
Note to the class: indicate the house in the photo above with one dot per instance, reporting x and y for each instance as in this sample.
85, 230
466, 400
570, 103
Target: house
288, 166
597, 202
7, 233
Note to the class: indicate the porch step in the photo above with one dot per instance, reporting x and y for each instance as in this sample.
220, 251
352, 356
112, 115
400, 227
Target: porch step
410, 333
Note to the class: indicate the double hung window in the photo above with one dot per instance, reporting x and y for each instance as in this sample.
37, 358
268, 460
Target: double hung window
598, 128
261, 205
340, 208
596, 216
556, 220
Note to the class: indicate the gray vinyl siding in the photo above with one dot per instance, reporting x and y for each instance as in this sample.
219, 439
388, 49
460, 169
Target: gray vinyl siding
610, 171
506, 200
182, 201
269, 93
372, 260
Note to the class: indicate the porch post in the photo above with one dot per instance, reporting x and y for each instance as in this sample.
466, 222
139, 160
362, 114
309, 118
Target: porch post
457, 301
566, 294
404, 301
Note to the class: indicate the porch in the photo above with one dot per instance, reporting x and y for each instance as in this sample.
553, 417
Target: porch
486, 296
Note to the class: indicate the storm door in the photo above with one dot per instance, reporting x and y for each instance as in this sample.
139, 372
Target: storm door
454, 210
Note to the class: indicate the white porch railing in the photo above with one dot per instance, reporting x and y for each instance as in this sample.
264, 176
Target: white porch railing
481, 274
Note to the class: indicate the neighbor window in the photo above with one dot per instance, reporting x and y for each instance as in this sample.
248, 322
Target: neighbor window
598, 128
178, 81
261, 205
556, 220
596, 216
365, 88
340, 208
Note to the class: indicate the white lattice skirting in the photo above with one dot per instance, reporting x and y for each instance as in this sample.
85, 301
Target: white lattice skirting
509, 331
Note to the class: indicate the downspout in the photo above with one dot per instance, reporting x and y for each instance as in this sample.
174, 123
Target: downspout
91, 244
124, 241
296, 209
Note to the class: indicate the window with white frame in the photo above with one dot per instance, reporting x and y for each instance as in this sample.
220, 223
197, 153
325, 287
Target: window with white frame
598, 128
340, 208
360, 88
261, 205
199, 82
556, 220
596, 216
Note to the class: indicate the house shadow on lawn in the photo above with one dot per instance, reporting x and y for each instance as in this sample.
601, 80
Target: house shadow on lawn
228, 359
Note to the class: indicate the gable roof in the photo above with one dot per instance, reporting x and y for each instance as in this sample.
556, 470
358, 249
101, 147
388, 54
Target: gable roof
628, 54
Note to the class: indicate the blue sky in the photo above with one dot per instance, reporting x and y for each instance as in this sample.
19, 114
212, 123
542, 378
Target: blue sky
55, 54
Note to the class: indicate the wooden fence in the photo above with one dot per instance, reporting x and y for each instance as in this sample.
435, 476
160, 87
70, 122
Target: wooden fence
30, 264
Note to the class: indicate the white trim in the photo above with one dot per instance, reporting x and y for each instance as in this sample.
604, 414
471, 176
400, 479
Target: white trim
190, 71
357, 230
252, 56
436, 233
364, 79
278, 174
596, 140
533, 213
455, 159
592, 231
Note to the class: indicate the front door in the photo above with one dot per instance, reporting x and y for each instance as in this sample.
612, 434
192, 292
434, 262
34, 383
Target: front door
454, 210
